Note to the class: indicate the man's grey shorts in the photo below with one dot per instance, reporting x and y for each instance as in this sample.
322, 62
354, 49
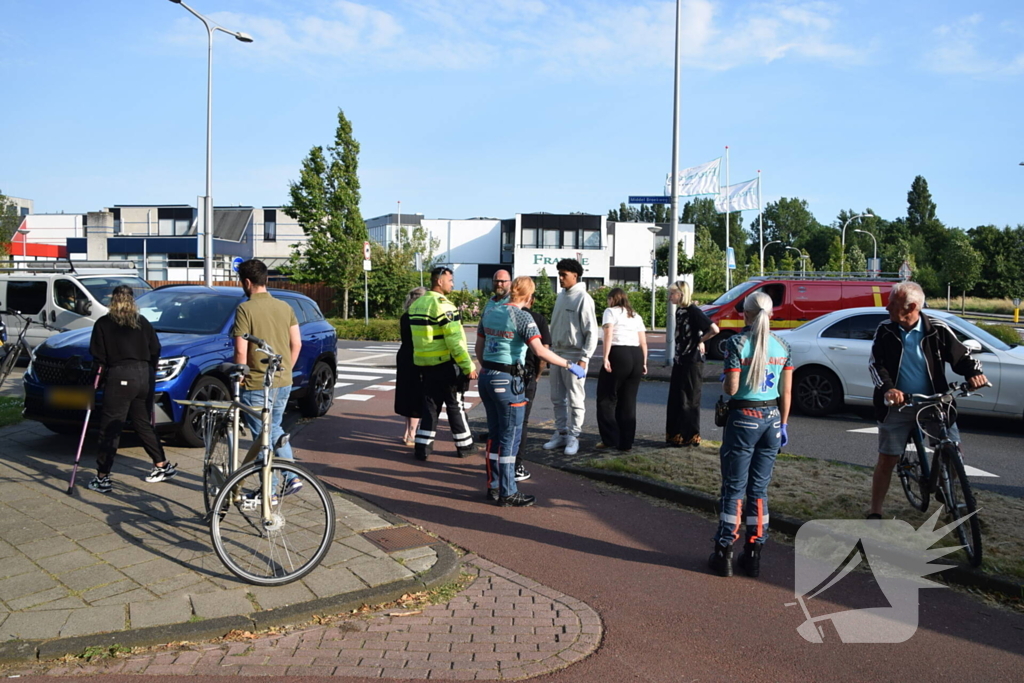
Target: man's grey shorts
893, 433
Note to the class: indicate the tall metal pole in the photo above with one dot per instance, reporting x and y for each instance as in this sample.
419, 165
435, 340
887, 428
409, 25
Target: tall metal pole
728, 208
760, 220
673, 231
398, 237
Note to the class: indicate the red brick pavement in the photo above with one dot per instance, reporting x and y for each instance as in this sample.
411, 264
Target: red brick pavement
503, 626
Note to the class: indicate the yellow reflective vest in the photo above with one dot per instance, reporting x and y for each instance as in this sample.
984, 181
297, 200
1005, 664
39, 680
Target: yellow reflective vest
437, 334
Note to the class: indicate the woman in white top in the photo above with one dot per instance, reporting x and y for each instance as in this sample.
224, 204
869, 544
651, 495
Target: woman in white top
625, 362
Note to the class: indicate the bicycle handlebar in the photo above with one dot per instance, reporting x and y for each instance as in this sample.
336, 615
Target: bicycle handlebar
961, 390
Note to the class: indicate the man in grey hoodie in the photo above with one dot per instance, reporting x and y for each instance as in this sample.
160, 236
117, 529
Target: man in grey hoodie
574, 333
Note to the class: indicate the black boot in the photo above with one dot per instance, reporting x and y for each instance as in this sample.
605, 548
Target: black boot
721, 560
750, 560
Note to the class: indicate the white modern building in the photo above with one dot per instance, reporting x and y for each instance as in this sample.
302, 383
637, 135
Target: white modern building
611, 253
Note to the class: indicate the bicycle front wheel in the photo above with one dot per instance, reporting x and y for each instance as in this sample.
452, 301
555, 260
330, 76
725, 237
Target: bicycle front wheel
217, 461
287, 545
960, 504
7, 364
913, 472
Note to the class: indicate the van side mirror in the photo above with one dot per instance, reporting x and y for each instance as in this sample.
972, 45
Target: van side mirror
973, 345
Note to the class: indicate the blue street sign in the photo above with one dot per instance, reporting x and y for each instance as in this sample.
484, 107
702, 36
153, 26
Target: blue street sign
238, 260
649, 200
731, 258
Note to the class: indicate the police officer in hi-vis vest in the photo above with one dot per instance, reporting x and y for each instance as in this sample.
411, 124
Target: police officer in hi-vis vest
440, 352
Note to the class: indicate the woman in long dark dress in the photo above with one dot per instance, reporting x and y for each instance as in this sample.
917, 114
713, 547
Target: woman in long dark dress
408, 392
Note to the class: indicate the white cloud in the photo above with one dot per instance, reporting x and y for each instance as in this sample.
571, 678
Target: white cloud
960, 48
576, 38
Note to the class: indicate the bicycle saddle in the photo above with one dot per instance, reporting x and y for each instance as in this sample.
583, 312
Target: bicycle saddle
231, 369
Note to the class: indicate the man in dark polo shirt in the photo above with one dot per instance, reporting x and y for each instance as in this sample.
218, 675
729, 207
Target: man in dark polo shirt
274, 322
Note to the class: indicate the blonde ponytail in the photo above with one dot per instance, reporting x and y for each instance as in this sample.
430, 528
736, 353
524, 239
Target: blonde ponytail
757, 308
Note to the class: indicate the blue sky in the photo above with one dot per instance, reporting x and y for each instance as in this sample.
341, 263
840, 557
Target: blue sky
491, 107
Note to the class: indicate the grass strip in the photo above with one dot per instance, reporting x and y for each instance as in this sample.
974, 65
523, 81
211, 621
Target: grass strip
10, 410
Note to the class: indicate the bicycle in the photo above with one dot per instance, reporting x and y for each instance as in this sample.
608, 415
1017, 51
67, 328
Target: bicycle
266, 529
945, 477
19, 346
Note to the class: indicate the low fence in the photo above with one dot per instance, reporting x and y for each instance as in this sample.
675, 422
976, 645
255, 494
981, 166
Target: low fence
322, 294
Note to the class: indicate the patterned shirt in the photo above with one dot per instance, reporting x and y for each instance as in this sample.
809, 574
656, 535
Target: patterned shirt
737, 359
507, 330
691, 324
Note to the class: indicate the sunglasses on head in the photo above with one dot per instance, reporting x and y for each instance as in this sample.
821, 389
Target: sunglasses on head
440, 270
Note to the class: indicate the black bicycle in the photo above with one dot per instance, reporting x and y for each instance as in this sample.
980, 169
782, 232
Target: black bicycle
15, 348
945, 477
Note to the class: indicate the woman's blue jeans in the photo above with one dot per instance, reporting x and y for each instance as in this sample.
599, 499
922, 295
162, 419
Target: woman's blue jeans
505, 402
751, 442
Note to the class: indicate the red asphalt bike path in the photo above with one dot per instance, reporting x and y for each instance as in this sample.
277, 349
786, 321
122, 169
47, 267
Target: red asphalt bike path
643, 568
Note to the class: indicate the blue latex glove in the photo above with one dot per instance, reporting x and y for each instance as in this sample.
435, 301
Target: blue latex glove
576, 370
785, 436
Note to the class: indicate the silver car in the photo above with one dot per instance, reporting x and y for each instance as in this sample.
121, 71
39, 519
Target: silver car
830, 357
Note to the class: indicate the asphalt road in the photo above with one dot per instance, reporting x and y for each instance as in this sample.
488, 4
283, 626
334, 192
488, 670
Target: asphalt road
992, 446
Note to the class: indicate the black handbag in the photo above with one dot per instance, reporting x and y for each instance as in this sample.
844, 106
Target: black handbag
721, 411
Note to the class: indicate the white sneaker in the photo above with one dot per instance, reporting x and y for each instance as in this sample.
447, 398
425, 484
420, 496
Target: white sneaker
557, 440
572, 446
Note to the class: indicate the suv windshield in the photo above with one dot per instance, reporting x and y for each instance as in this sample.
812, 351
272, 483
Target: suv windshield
171, 310
102, 287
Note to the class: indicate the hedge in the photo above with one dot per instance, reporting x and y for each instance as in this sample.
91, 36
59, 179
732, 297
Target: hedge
378, 329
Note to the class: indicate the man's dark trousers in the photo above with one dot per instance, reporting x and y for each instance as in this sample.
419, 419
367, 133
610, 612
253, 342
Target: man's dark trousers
529, 391
442, 385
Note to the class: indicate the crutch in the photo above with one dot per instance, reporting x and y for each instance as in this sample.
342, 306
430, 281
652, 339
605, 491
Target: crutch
85, 427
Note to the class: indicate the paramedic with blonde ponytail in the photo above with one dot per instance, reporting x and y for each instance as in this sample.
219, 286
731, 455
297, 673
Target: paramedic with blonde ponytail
758, 376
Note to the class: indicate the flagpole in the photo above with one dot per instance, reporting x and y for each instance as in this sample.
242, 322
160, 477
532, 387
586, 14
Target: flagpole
673, 231
728, 208
760, 221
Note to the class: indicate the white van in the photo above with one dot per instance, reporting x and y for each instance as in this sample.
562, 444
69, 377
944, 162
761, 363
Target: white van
63, 294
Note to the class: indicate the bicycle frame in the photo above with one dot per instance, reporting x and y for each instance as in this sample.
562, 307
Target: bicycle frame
19, 345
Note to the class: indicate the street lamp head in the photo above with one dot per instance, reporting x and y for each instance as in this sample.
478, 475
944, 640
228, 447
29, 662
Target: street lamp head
243, 37
176, 2
654, 229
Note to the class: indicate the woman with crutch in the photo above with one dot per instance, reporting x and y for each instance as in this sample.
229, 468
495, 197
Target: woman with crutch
758, 376
127, 349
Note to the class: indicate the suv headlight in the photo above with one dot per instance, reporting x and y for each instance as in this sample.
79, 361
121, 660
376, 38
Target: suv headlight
169, 368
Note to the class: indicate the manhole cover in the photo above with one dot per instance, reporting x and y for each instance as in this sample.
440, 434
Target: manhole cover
399, 538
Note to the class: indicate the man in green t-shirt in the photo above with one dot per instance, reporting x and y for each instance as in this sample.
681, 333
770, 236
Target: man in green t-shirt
274, 322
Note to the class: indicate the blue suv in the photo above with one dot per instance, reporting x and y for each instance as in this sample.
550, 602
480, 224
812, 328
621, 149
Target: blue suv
193, 323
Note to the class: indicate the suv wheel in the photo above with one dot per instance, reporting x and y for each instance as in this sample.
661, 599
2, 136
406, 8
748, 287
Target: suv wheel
320, 394
818, 391
206, 388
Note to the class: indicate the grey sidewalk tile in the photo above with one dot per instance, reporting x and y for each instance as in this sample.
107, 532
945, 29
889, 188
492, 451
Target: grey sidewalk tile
13, 566
189, 581
86, 530
91, 577
340, 553
48, 547
272, 597
414, 553
360, 520
362, 545
66, 562
31, 625
154, 570
124, 598
375, 571
24, 532
160, 612
327, 582
111, 589
222, 604
67, 602
40, 598
24, 585
105, 542
421, 564
127, 556
6, 549
90, 620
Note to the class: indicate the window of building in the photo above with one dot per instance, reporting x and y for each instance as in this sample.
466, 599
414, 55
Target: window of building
175, 220
569, 239
529, 237
591, 239
593, 282
26, 297
552, 239
269, 225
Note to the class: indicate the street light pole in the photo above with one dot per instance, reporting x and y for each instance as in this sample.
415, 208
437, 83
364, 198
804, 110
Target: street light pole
765, 246
24, 242
654, 268
842, 256
874, 257
800, 255
208, 208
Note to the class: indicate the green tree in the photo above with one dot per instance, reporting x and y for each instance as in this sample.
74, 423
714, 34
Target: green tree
700, 211
543, 295
1002, 260
325, 202
9, 222
394, 271
923, 223
961, 264
708, 263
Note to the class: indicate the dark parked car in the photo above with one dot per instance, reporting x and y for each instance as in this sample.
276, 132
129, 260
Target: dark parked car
193, 323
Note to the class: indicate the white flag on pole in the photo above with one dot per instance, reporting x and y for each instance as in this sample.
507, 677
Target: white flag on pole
739, 197
695, 180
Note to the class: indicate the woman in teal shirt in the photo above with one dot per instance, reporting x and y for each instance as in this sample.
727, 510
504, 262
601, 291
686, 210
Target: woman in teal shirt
758, 376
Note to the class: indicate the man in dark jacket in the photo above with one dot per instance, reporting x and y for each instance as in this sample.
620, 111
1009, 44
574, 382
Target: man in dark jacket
908, 356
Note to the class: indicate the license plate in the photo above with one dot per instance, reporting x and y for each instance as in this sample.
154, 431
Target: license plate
70, 398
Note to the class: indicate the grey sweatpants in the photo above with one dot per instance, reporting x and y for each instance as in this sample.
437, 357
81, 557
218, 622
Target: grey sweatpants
568, 397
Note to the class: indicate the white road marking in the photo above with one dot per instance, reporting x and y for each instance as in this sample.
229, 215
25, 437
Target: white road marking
864, 430
344, 367
367, 378
338, 385
379, 387
472, 394
376, 355
354, 397
466, 407
975, 472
